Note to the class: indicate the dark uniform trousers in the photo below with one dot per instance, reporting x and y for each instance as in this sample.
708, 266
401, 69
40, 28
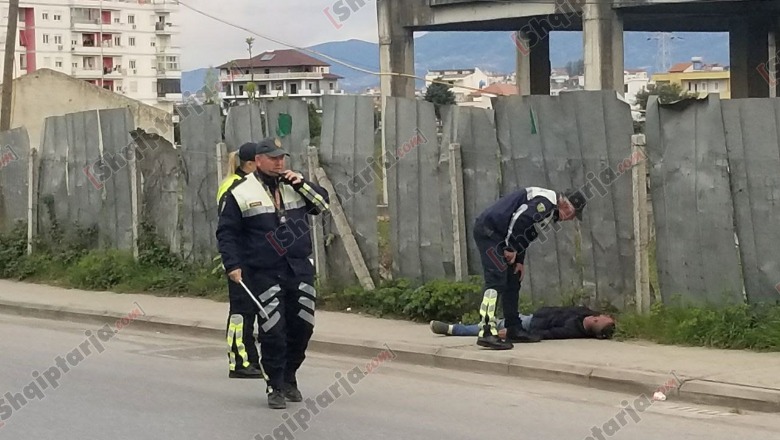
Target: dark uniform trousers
289, 300
500, 281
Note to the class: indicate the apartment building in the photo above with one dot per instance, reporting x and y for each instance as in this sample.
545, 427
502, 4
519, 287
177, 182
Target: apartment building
126, 46
278, 73
697, 77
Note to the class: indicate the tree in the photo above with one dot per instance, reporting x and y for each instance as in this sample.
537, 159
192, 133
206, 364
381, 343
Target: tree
576, 68
211, 87
249, 43
439, 94
315, 124
666, 92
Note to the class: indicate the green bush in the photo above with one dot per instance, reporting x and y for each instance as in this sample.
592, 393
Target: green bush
102, 270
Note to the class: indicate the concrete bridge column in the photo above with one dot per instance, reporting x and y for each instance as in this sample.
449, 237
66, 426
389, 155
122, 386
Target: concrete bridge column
533, 63
753, 67
602, 34
396, 50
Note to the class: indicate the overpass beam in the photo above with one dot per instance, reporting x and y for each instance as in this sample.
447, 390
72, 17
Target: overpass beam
753, 68
533, 63
396, 51
602, 34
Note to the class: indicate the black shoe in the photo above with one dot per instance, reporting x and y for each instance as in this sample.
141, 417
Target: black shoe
246, 373
276, 400
522, 336
292, 393
494, 342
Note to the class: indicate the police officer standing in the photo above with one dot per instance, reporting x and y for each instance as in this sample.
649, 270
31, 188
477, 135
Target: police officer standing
263, 237
503, 233
243, 358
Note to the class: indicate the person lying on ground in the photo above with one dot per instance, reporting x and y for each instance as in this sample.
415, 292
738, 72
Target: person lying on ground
547, 322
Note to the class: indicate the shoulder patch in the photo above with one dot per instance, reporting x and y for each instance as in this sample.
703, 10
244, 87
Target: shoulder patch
254, 204
540, 207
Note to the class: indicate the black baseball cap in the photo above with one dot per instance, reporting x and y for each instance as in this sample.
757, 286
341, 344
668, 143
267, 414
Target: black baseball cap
247, 151
578, 200
271, 147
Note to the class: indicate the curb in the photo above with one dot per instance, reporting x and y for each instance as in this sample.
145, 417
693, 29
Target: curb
483, 361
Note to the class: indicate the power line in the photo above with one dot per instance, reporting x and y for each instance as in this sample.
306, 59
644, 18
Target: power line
314, 52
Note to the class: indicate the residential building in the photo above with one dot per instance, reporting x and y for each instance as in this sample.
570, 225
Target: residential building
634, 81
463, 81
697, 77
125, 46
484, 97
279, 73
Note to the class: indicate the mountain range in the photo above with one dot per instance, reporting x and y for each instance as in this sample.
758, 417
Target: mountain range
495, 52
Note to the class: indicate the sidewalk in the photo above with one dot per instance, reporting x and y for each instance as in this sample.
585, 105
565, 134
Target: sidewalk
739, 379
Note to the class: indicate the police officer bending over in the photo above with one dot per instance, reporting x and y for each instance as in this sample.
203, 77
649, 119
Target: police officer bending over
263, 237
503, 233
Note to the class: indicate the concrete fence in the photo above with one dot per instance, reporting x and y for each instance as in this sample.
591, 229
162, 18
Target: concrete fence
713, 172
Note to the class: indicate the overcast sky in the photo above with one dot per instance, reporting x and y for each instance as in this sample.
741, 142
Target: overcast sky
303, 23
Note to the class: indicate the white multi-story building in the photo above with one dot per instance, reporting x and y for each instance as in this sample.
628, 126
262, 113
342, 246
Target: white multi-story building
464, 81
126, 46
278, 73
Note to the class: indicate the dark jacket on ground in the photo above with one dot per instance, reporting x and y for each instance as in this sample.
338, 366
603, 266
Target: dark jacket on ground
561, 322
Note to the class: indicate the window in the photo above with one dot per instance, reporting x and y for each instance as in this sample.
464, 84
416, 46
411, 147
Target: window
116, 20
131, 19
58, 39
23, 61
75, 65
58, 63
132, 64
45, 16
172, 63
715, 86
131, 41
57, 17
117, 41
22, 15
153, 42
331, 86
45, 38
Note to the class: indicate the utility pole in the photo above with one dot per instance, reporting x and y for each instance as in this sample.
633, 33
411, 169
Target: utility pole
8, 65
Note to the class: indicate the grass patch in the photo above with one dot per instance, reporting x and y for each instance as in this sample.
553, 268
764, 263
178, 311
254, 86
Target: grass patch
72, 261
739, 327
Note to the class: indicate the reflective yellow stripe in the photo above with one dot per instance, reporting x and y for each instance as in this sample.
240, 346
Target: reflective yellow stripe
240, 344
487, 310
225, 186
230, 336
315, 197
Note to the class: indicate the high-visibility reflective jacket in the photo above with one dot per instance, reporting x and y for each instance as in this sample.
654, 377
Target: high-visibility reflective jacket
253, 233
227, 184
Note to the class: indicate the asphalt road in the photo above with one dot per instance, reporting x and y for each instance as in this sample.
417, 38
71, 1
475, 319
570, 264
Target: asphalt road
143, 385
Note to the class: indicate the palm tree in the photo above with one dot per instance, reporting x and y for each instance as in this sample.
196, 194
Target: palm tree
249, 43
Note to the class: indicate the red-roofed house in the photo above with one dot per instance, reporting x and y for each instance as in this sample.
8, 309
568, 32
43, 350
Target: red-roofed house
278, 73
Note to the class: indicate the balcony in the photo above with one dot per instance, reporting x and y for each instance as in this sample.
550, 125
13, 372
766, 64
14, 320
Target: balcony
114, 72
166, 29
87, 73
106, 49
168, 73
88, 25
169, 50
165, 6
272, 76
169, 97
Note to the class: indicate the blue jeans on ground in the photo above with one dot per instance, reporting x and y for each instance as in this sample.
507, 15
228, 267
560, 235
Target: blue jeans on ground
473, 329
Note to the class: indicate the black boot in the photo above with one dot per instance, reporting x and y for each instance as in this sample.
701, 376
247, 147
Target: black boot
494, 342
516, 334
276, 399
250, 372
292, 393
